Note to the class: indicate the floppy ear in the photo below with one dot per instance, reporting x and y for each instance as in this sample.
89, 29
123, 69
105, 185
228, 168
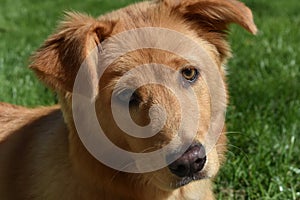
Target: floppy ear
212, 17
57, 62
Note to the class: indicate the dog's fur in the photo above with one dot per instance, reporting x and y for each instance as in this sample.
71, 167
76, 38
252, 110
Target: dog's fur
41, 155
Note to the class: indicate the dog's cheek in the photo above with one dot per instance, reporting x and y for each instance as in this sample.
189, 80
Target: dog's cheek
204, 103
107, 123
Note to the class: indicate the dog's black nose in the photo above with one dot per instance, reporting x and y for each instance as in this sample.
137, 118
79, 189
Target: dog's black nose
191, 162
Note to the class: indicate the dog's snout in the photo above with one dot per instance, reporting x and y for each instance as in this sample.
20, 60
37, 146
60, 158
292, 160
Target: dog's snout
191, 162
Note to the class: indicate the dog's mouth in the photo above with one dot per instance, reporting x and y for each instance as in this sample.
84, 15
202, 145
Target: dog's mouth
175, 183
186, 180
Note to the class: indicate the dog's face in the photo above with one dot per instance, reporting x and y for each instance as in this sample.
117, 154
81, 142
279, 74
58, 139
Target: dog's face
117, 87
128, 83
157, 85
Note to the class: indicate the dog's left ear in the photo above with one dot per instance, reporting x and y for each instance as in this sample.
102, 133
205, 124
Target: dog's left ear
212, 17
216, 14
57, 62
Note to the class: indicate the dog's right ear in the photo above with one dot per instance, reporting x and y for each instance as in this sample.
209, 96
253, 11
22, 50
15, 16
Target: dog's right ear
57, 62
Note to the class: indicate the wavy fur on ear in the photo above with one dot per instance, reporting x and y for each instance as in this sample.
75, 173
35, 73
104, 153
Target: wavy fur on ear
216, 13
210, 18
57, 61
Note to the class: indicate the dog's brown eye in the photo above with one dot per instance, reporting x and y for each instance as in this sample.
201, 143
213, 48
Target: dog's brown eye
190, 74
125, 95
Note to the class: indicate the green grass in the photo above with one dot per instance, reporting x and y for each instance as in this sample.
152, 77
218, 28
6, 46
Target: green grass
264, 80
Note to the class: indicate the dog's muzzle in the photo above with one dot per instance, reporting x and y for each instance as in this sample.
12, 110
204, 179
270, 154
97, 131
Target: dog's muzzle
190, 163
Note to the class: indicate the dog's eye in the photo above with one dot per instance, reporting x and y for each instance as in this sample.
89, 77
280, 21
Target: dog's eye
190, 74
126, 96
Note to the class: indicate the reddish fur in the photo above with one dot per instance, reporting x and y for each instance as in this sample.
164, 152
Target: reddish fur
41, 155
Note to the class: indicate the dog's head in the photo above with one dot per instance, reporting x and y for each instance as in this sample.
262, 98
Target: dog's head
161, 63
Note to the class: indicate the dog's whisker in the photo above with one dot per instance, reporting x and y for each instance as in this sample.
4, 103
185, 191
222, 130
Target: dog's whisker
118, 172
228, 145
232, 132
113, 177
235, 147
158, 179
147, 149
228, 151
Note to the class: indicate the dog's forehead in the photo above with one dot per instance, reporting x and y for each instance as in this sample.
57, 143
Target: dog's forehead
146, 33
155, 45
149, 64
146, 65
149, 56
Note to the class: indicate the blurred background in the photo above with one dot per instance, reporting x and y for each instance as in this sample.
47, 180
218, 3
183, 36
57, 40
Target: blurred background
263, 118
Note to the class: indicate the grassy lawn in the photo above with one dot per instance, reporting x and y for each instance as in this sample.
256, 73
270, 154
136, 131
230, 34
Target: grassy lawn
264, 80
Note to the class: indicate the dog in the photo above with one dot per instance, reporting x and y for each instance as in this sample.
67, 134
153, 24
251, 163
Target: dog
42, 153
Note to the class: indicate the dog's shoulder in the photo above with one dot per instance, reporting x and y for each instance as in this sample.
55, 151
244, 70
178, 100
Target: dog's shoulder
14, 118
31, 140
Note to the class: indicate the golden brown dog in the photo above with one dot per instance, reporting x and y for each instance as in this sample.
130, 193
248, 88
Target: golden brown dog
41, 153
